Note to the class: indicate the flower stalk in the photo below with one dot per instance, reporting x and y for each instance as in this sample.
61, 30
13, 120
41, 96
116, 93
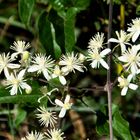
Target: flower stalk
109, 87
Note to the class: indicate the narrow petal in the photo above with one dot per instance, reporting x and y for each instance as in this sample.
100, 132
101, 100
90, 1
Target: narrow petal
104, 64
133, 86
119, 79
62, 80
124, 91
13, 91
46, 75
67, 99
123, 47
33, 68
13, 66
94, 64
6, 72
129, 78
114, 40
21, 74
58, 102
135, 36
123, 59
62, 113
105, 52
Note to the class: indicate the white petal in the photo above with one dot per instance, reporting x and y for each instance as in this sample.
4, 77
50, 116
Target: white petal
105, 52
62, 80
129, 78
104, 64
33, 68
6, 72
119, 79
46, 75
13, 91
114, 40
123, 48
58, 102
124, 91
135, 36
123, 59
14, 55
133, 86
21, 74
133, 69
25, 86
67, 99
13, 66
62, 113
94, 64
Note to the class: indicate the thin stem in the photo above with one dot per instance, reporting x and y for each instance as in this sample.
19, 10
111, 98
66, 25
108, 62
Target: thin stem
109, 87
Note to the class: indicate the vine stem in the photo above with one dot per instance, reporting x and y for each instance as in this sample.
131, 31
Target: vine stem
109, 87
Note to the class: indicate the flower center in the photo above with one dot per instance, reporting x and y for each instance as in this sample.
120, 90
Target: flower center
67, 106
123, 83
96, 56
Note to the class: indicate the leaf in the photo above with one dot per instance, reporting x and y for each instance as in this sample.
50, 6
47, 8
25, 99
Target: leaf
25, 8
20, 117
47, 36
69, 26
121, 126
19, 99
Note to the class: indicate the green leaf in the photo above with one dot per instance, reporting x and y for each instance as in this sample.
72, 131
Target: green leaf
20, 117
69, 26
47, 36
25, 8
19, 99
121, 126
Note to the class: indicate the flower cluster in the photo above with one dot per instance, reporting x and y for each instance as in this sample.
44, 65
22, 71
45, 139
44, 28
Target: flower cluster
21, 63
130, 55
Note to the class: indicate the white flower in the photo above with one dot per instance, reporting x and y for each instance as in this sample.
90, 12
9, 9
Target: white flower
5, 63
123, 39
134, 29
58, 73
46, 117
65, 106
20, 47
125, 84
16, 82
96, 42
55, 134
132, 59
42, 64
70, 62
34, 136
97, 57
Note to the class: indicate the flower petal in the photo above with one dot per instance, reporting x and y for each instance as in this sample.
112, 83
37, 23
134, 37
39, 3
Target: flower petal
67, 99
62, 113
94, 64
133, 86
104, 64
124, 91
123, 59
105, 52
33, 68
62, 80
114, 40
58, 102
135, 36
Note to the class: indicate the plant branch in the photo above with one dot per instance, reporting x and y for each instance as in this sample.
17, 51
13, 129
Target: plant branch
109, 87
